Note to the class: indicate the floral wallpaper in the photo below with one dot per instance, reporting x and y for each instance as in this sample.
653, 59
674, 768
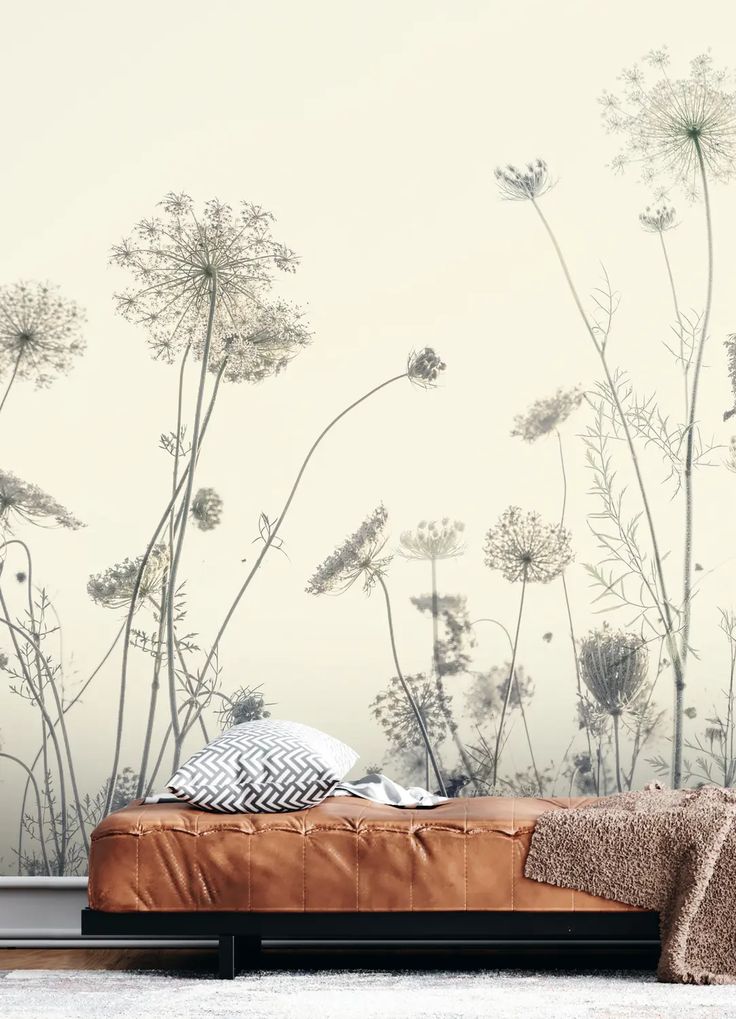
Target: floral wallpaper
531, 451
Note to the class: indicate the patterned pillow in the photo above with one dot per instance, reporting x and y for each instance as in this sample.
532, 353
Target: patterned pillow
263, 767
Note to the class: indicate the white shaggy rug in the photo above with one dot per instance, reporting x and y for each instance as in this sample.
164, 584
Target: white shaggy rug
336, 994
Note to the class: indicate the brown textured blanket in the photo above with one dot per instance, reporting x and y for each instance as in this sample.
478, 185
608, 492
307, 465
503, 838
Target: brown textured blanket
665, 850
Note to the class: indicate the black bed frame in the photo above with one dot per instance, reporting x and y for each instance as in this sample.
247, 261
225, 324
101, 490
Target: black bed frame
240, 934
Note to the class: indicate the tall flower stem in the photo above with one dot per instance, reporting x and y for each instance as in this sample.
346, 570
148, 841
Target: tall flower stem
153, 696
186, 503
273, 533
522, 709
407, 691
9, 386
14, 632
512, 673
32, 780
664, 608
568, 607
617, 745
128, 625
440, 685
685, 364
678, 732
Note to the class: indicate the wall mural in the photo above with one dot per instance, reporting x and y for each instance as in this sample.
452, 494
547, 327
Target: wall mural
200, 283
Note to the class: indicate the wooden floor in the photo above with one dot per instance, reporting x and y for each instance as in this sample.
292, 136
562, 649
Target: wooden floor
190, 959
199, 960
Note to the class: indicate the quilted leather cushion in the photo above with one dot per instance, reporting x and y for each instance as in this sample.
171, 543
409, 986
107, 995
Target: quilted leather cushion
344, 855
263, 767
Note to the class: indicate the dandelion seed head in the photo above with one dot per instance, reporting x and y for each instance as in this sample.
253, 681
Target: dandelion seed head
358, 558
522, 547
613, 666
114, 587
657, 220
395, 715
436, 539
40, 332
21, 500
672, 124
424, 367
206, 509
523, 183
175, 259
545, 415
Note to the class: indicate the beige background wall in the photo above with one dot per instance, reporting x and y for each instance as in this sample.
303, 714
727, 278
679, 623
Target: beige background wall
371, 131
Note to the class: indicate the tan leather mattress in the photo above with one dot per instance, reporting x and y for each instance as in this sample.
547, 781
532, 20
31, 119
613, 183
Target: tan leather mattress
345, 855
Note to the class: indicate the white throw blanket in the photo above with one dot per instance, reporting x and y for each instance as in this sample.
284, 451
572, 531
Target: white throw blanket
378, 788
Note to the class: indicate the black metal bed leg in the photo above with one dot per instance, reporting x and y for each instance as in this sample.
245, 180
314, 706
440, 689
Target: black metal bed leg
226, 968
237, 953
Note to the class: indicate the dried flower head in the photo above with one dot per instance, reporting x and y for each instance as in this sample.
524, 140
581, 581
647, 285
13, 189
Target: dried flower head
730, 345
395, 715
659, 219
731, 461
175, 259
433, 539
675, 126
206, 509
40, 332
524, 548
547, 414
613, 666
31, 504
359, 557
424, 367
247, 704
523, 184
269, 337
113, 588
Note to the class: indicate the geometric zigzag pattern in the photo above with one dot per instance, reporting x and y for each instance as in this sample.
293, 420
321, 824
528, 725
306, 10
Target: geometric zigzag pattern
263, 767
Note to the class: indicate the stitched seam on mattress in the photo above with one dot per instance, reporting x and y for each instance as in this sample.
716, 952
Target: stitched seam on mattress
198, 875
250, 876
357, 870
410, 829
137, 883
304, 868
512, 846
465, 856
413, 844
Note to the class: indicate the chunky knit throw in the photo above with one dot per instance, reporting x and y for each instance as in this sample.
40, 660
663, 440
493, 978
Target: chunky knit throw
673, 851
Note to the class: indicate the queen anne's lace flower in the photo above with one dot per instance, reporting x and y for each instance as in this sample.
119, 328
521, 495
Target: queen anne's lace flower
524, 548
730, 346
613, 665
671, 125
40, 332
525, 183
659, 219
359, 557
424, 367
113, 588
175, 259
547, 414
395, 715
247, 704
27, 502
433, 539
206, 509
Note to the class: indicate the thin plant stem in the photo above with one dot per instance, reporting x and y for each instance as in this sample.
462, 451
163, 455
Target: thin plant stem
128, 625
60, 721
407, 691
665, 607
521, 701
568, 606
440, 685
504, 709
9, 386
617, 745
14, 631
681, 331
30, 777
184, 518
153, 696
678, 730
273, 533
